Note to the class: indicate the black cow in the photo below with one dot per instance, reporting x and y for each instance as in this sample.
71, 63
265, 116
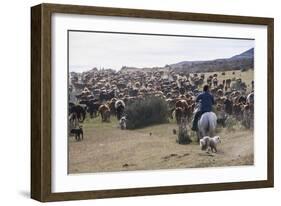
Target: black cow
79, 110
228, 106
92, 108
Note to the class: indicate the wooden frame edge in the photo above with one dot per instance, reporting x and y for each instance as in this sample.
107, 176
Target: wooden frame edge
36, 58
101, 194
270, 100
157, 14
40, 103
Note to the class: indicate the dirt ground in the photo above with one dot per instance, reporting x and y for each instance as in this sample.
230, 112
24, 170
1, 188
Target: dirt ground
108, 148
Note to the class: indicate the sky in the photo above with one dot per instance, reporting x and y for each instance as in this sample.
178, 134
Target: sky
112, 50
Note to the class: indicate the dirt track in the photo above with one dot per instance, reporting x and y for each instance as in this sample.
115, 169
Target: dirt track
108, 148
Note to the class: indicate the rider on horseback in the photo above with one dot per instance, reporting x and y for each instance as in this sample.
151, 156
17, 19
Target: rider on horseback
206, 100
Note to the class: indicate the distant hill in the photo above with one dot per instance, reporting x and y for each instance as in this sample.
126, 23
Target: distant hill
243, 61
247, 54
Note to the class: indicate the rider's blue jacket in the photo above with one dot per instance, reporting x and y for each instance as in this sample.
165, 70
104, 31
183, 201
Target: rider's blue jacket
206, 101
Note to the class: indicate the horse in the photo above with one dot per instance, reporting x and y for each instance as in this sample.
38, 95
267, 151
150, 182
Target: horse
207, 125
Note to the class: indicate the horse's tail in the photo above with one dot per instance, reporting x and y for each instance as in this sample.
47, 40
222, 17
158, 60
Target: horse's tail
212, 123
208, 125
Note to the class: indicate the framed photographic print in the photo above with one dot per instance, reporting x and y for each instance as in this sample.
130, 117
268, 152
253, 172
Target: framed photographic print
129, 102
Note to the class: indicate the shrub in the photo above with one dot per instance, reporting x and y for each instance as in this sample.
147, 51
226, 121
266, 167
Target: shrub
147, 111
183, 136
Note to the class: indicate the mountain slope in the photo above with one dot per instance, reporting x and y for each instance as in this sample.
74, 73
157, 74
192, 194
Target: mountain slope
242, 61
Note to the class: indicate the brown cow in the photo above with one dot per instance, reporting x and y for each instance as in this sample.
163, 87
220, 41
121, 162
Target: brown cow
184, 109
215, 82
104, 112
182, 103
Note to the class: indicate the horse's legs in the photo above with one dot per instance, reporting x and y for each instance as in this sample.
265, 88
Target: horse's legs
198, 135
212, 132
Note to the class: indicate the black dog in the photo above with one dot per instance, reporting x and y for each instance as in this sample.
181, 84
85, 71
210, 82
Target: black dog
78, 132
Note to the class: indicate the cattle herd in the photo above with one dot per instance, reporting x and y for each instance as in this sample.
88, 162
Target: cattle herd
106, 93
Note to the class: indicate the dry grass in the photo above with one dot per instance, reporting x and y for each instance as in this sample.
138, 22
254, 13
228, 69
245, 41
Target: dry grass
108, 148
246, 76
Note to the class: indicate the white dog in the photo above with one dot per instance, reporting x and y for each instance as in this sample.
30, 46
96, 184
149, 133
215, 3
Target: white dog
210, 143
122, 122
